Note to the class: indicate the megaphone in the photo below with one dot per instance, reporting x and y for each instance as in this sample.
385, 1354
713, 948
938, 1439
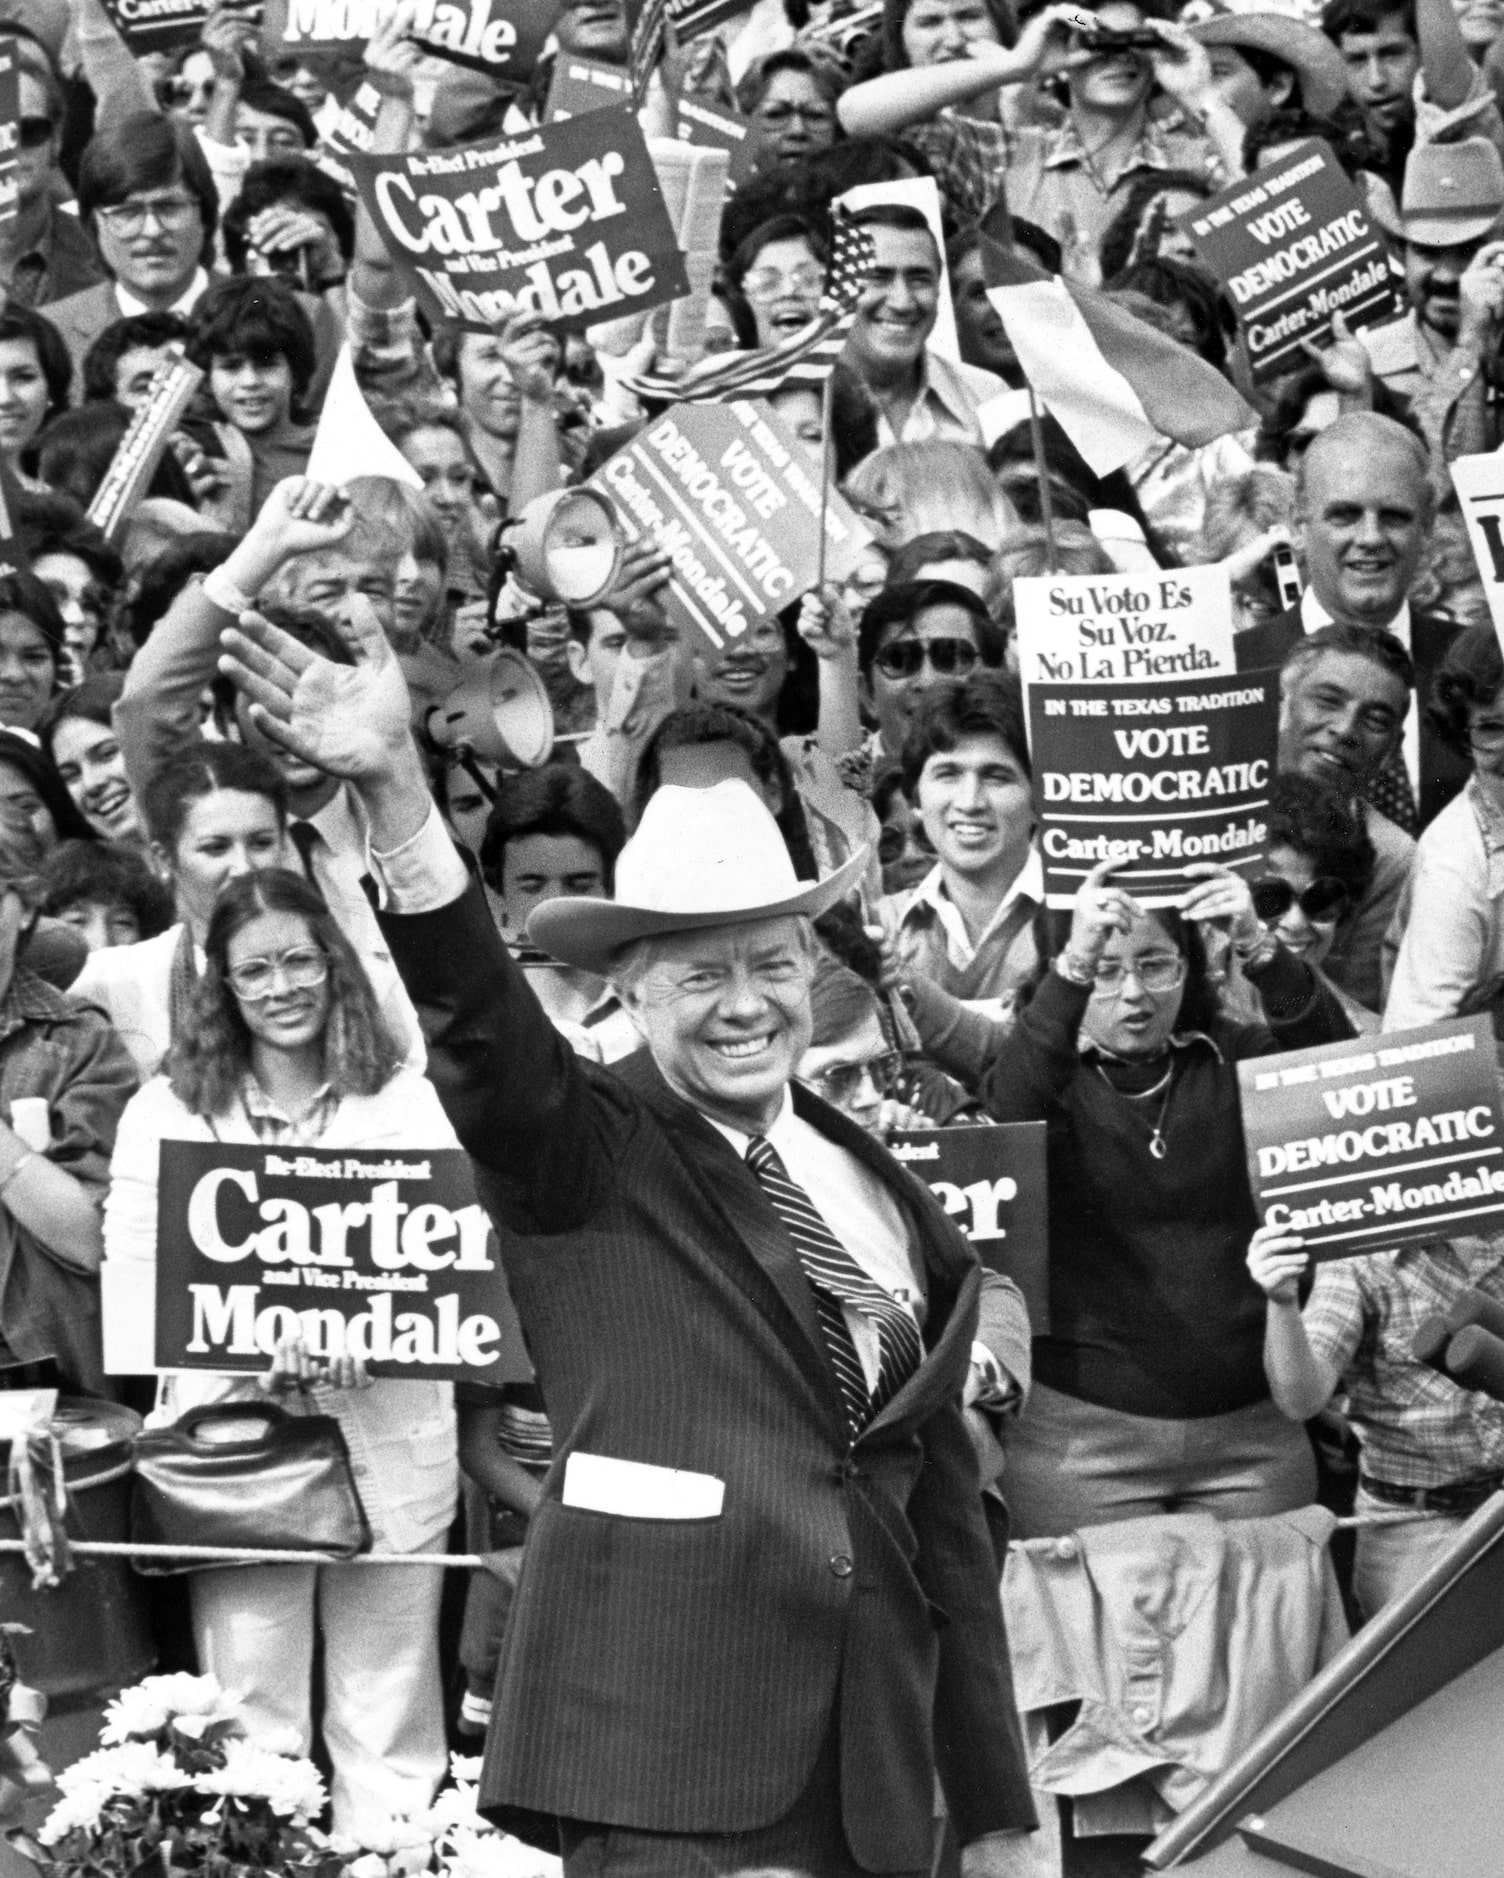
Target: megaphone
565, 547
501, 714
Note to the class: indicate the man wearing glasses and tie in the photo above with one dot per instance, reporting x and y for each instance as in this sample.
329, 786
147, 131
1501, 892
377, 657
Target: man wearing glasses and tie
759, 1608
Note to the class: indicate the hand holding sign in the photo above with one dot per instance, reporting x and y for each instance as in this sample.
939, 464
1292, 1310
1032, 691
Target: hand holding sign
1220, 894
1276, 1263
294, 1366
391, 55
1097, 913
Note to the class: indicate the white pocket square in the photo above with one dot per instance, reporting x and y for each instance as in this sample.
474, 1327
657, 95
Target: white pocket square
636, 1490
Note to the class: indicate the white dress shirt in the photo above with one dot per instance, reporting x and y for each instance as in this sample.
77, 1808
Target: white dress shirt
186, 301
1313, 616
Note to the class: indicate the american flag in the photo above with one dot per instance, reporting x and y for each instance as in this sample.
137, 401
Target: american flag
805, 358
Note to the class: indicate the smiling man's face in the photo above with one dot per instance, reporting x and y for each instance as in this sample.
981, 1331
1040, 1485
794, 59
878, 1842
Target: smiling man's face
1362, 524
1340, 718
898, 310
725, 1014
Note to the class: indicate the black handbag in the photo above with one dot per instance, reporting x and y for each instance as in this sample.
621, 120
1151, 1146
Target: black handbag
288, 1487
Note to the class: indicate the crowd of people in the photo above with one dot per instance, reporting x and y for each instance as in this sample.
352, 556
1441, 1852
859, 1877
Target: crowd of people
245, 898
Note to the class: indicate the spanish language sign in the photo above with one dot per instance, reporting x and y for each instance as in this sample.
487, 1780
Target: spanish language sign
1293, 245
384, 1255
567, 221
1479, 482
991, 1180
1152, 776
158, 25
10, 126
1100, 628
1379, 1141
726, 490
500, 36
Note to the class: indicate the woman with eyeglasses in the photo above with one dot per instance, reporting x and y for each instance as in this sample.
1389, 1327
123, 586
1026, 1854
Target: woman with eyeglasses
789, 100
851, 1061
1149, 1390
779, 271
287, 1048
913, 637
1450, 961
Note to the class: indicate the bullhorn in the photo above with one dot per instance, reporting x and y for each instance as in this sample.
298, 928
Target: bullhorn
501, 714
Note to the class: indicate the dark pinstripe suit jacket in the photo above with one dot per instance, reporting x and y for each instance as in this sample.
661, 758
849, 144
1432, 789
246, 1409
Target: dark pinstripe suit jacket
681, 1675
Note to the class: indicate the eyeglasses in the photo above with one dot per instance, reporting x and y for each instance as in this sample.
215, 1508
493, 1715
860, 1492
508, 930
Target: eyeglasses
1323, 902
1487, 735
34, 132
1156, 971
948, 657
841, 1081
129, 218
767, 283
893, 843
300, 970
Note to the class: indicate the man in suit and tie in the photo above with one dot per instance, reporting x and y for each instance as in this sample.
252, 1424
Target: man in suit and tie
760, 1607
1363, 510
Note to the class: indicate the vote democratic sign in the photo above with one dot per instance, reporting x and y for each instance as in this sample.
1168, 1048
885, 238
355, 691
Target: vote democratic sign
991, 1180
567, 221
1293, 245
385, 1255
1379, 1141
726, 490
1479, 482
1152, 777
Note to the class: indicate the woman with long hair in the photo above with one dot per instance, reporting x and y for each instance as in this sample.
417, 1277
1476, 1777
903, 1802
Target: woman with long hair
286, 1047
214, 811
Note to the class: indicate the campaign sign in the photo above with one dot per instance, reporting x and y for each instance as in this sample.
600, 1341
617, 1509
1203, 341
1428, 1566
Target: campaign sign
567, 221
158, 25
1293, 245
1152, 777
991, 1180
503, 37
580, 86
1096, 628
1379, 1141
719, 130
382, 1254
727, 493
142, 447
10, 125
1479, 482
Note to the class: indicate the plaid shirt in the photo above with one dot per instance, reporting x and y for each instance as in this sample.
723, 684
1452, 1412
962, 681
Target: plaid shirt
1050, 177
1417, 1429
274, 1129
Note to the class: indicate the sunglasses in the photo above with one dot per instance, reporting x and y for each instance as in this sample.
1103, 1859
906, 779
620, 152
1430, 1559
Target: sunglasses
34, 132
1323, 903
841, 1081
893, 843
905, 657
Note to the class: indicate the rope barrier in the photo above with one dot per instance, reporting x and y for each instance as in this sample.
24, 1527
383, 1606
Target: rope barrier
1399, 1516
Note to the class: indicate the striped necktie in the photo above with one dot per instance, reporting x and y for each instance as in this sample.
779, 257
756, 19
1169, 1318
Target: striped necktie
837, 1280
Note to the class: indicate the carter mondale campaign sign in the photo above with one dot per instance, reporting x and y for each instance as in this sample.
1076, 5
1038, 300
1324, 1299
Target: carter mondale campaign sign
567, 221
1379, 1141
1152, 776
384, 1254
1293, 245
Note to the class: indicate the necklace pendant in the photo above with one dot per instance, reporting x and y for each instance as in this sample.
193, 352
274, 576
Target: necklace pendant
1157, 1145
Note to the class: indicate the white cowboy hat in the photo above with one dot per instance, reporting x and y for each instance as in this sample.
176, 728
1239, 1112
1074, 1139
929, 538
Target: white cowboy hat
700, 857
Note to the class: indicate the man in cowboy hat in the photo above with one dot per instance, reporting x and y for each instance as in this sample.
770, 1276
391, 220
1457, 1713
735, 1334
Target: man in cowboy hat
759, 1604
1262, 62
1440, 355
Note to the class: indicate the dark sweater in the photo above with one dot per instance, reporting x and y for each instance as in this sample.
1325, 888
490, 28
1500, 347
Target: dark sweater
1152, 1310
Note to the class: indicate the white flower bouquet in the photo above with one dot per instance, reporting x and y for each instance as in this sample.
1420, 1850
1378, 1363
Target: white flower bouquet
177, 1791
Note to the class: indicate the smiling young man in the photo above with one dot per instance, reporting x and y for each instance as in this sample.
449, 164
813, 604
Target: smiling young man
918, 393
967, 928
753, 1328
1363, 510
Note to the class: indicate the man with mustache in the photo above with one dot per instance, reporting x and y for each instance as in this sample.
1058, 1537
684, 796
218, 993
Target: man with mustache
1441, 355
